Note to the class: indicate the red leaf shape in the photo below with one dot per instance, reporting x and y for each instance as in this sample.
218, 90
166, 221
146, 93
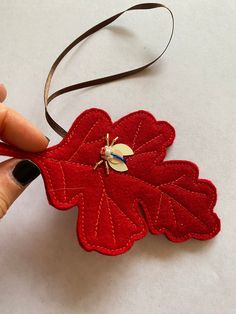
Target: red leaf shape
174, 201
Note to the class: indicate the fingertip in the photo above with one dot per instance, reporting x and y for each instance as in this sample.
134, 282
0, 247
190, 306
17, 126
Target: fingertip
28, 138
19, 132
39, 144
3, 93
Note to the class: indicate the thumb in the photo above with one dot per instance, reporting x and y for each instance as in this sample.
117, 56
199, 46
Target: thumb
15, 175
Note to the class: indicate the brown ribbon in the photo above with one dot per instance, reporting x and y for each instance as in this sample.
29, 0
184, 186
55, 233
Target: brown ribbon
47, 99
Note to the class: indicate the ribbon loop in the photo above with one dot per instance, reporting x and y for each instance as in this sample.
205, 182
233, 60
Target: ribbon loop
47, 99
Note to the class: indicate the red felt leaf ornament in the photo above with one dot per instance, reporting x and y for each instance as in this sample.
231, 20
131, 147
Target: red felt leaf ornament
175, 202
115, 174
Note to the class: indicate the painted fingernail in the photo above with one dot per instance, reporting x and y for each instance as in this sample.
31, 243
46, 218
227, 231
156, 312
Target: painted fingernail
25, 172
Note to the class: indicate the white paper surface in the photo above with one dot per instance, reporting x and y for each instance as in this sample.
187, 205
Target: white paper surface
42, 267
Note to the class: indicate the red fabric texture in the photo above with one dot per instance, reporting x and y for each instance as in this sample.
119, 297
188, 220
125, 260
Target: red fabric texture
119, 208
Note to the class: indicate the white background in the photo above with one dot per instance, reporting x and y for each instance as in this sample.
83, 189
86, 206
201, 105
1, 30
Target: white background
42, 267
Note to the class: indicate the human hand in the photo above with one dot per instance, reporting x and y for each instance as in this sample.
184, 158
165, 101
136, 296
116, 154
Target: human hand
15, 174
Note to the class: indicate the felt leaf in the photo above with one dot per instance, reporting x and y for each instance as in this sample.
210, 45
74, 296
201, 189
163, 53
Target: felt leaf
174, 201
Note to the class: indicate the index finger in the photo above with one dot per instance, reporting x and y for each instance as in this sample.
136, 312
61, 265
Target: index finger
17, 131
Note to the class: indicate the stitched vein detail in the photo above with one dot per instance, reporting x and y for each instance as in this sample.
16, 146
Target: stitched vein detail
158, 188
172, 211
122, 212
128, 244
66, 189
185, 189
136, 133
111, 222
158, 209
149, 141
64, 182
109, 210
83, 141
190, 212
99, 212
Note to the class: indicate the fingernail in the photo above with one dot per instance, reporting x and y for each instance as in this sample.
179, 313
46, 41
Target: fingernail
47, 139
25, 172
